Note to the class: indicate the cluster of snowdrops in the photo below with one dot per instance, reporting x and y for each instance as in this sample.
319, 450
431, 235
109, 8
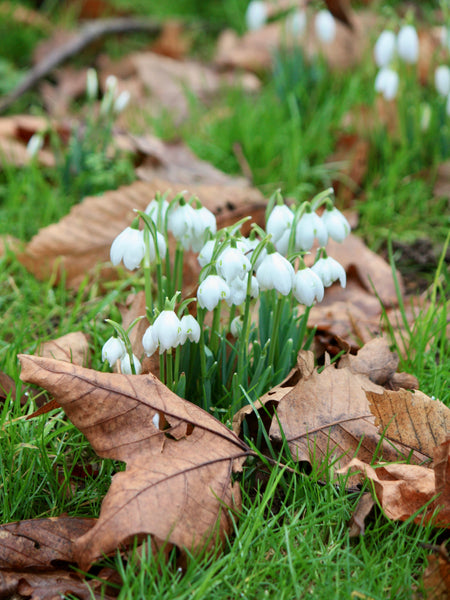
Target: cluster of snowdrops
244, 327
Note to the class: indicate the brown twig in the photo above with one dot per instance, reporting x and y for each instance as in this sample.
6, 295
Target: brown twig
86, 35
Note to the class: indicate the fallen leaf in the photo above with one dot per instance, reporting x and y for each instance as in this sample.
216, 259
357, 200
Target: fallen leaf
7, 386
442, 183
353, 151
436, 578
374, 360
172, 41
411, 418
72, 347
177, 484
82, 239
357, 525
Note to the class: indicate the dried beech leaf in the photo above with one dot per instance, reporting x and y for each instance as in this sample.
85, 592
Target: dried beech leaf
37, 543
72, 347
363, 508
177, 485
436, 579
411, 418
374, 360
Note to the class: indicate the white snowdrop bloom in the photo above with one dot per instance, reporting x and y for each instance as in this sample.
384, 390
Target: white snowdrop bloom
125, 365
238, 292
189, 329
310, 226
275, 272
425, 116
282, 243
112, 350
329, 271
384, 49
204, 223
167, 330
236, 326
149, 342
296, 22
254, 287
211, 291
111, 83
35, 144
121, 102
109, 95
157, 212
386, 83
231, 264
256, 15
307, 287
206, 253
336, 224
408, 44
442, 80
252, 245
155, 420
279, 220
181, 223
128, 246
325, 26
91, 84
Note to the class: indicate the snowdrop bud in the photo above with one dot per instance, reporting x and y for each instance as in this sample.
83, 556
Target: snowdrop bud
181, 223
386, 82
122, 101
111, 84
128, 246
108, 97
157, 212
279, 220
309, 227
275, 272
211, 291
125, 365
425, 116
408, 44
232, 264
325, 26
167, 330
92, 84
442, 80
329, 271
35, 143
204, 224
384, 49
149, 342
336, 224
189, 329
206, 253
112, 350
236, 326
155, 420
296, 23
256, 15
307, 287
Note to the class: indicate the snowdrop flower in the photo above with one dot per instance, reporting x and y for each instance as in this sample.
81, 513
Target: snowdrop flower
296, 22
35, 143
206, 253
181, 222
211, 291
408, 44
108, 97
149, 342
336, 224
252, 244
275, 272
125, 365
238, 290
425, 116
386, 82
121, 102
204, 222
232, 264
384, 49
329, 271
112, 350
325, 26
236, 327
309, 227
256, 15
91, 84
189, 329
157, 212
128, 246
279, 220
307, 287
442, 80
167, 330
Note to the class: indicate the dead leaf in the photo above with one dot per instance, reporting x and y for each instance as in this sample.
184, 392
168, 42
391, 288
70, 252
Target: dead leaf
172, 41
340, 10
374, 360
72, 347
363, 508
436, 579
83, 238
353, 151
177, 485
7, 386
404, 489
442, 184
411, 418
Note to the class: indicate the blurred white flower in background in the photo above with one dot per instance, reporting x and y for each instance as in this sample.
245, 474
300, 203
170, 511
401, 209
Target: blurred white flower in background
256, 15
386, 83
325, 26
408, 44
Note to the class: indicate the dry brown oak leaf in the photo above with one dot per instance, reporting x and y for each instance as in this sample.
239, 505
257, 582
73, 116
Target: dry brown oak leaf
177, 486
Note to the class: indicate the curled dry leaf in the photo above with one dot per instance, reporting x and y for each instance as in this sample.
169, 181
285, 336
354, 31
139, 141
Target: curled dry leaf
357, 525
72, 347
177, 485
436, 579
411, 418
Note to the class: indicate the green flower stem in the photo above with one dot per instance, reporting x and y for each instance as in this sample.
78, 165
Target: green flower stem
176, 368
201, 346
245, 336
215, 330
279, 303
148, 276
178, 268
169, 370
162, 369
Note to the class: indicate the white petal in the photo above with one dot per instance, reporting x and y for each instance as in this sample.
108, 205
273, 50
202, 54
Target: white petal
112, 350
149, 342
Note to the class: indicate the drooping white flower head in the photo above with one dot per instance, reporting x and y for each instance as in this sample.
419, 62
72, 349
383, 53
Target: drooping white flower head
238, 290
252, 245
385, 47
325, 26
307, 287
310, 226
125, 365
167, 330
149, 342
91, 84
256, 15
112, 350
206, 253
329, 271
211, 291
296, 23
386, 83
236, 326
275, 272
157, 212
280, 219
336, 224
408, 44
232, 263
109, 95
204, 224
121, 102
181, 223
128, 246
35, 144
189, 329
442, 80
